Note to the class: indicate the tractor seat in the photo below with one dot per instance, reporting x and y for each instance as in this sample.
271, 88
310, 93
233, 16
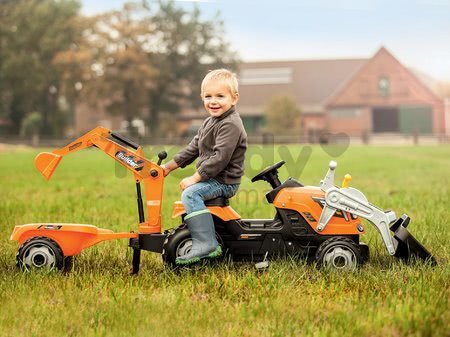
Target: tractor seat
220, 201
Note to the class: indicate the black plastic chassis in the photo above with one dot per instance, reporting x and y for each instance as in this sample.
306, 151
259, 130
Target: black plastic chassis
287, 234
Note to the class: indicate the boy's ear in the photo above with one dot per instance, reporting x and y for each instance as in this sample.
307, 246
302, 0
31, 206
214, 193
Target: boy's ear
236, 98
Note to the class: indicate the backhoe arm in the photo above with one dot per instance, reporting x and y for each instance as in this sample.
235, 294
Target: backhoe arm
46, 162
143, 170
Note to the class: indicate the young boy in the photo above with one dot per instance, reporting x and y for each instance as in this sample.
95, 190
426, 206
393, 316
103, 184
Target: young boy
220, 146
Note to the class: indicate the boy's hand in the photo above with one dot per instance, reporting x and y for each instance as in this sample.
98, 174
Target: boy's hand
169, 167
186, 182
166, 170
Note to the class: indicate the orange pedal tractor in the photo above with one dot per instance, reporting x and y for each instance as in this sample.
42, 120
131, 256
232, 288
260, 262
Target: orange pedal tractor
323, 223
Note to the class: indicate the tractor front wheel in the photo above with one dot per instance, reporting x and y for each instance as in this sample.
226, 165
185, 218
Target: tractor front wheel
39, 253
339, 253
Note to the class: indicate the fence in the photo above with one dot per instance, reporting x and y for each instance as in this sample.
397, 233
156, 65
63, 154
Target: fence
264, 139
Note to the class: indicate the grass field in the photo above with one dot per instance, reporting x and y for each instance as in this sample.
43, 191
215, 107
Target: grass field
291, 298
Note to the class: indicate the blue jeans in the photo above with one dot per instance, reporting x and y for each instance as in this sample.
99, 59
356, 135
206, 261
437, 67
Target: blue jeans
194, 196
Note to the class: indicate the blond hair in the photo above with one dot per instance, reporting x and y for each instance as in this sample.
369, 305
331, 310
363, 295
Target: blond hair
224, 76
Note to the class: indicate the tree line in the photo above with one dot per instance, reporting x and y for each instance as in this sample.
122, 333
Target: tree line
140, 61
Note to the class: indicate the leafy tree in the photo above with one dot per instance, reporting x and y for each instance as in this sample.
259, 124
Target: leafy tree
283, 116
31, 126
111, 64
143, 60
32, 32
184, 49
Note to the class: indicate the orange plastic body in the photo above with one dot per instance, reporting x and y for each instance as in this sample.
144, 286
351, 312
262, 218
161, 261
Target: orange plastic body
301, 200
134, 161
72, 238
225, 213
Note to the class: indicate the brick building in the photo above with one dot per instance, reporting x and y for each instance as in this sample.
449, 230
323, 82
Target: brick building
352, 96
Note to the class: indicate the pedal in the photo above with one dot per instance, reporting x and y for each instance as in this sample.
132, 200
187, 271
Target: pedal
263, 264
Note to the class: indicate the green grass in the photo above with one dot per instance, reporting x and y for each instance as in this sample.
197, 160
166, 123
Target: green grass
100, 298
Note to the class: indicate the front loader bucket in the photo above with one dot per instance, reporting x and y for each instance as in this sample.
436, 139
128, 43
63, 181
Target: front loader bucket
408, 247
46, 163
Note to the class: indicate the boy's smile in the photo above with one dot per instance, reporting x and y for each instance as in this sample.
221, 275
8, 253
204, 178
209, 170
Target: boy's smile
218, 98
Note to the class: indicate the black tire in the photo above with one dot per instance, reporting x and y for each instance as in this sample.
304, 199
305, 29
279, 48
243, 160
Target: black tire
178, 243
338, 253
365, 253
40, 253
68, 263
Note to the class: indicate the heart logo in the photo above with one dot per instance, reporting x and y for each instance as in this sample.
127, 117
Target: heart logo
334, 144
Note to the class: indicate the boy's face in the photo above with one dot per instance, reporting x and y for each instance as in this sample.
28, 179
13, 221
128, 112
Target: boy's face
218, 98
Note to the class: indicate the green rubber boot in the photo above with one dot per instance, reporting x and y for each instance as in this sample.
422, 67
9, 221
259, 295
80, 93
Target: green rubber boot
204, 242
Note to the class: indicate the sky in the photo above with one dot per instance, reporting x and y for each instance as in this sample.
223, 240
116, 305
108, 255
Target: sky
416, 32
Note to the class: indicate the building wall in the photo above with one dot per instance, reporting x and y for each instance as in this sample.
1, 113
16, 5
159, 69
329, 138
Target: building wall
351, 120
383, 82
312, 127
324, 89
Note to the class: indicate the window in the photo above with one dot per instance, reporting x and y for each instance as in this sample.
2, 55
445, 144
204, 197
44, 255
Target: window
345, 113
383, 86
266, 76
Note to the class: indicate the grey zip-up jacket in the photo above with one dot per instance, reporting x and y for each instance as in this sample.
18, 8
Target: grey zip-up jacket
220, 146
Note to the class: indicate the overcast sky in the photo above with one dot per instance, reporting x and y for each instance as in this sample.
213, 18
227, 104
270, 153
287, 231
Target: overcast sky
417, 32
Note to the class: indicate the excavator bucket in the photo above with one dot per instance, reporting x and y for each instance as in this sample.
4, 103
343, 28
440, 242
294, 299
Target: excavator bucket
46, 163
408, 247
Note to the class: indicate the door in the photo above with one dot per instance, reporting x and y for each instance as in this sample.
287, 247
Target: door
385, 119
416, 119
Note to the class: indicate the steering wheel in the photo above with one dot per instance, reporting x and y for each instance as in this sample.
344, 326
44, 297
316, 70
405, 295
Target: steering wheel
270, 174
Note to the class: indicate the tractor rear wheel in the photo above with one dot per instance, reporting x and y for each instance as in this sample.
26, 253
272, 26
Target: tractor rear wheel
178, 243
338, 253
40, 253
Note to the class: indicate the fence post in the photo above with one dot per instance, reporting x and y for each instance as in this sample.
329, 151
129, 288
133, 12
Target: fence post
415, 135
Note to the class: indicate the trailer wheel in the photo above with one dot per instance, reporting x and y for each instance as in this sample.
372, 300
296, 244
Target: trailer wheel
338, 253
40, 253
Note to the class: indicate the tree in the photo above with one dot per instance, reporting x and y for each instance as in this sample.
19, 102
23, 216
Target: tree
145, 59
283, 116
140, 61
111, 64
184, 48
31, 126
29, 80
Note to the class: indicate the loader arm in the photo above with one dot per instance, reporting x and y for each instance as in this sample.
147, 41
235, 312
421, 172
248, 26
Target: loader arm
133, 159
347, 199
